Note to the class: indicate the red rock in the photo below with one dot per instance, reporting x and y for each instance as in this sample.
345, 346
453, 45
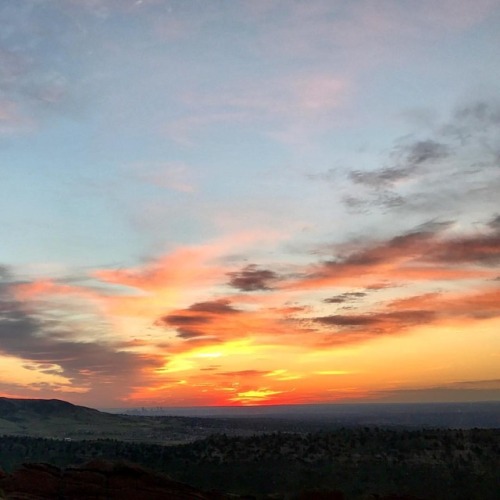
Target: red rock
97, 480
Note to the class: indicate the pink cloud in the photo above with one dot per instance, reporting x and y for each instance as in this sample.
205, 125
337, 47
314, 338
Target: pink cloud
364, 33
294, 106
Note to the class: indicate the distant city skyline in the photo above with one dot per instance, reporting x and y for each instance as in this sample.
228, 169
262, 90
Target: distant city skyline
249, 202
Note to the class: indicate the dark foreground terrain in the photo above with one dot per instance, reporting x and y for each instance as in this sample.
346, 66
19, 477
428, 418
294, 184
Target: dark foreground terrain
260, 458
97, 480
426, 464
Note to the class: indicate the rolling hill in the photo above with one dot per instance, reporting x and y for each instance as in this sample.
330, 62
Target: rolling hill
57, 419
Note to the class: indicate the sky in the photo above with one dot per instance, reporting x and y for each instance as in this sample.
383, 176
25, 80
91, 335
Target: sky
229, 202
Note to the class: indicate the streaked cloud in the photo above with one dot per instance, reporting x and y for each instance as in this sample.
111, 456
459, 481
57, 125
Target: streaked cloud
456, 163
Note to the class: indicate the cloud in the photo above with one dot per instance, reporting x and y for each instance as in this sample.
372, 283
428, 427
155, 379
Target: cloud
483, 304
284, 108
344, 297
495, 223
453, 167
218, 320
380, 323
400, 315
412, 158
221, 306
430, 252
251, 279
185, 333
190, 267
153, 317
182, 320
47, 343
199, 320
480, 250
480, 118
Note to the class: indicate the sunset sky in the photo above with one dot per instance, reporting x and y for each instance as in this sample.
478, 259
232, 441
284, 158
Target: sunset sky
228, 202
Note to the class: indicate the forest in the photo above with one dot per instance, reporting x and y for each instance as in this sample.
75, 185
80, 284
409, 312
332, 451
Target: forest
360, 462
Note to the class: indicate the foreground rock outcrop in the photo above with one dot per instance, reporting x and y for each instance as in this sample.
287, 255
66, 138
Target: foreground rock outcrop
106, 480
95, 480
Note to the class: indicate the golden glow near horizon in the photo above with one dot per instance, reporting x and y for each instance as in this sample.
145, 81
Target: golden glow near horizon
263, 347
250, 204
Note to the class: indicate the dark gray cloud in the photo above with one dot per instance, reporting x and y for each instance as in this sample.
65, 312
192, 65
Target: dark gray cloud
197, 321
479, 249
472, 120
43, 341
221, 306
381, 286
345, 297
428, 151
194, 333
189, 334
411, 157
383, 198
413, 242
429, 246
379, 178
184, 320
379, 322
455, 166
4, 274
495, 223
251, 279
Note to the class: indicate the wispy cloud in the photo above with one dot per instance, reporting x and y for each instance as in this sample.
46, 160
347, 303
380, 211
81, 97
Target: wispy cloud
430, 253
363, 29
454, 167
282, 107
49, 344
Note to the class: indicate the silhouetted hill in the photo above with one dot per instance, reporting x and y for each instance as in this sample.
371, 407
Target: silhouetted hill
16, 409
55, 418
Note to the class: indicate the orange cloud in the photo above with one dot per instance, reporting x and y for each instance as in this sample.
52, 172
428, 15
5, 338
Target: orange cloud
423, 255
194, 330
477, 305
46, 287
